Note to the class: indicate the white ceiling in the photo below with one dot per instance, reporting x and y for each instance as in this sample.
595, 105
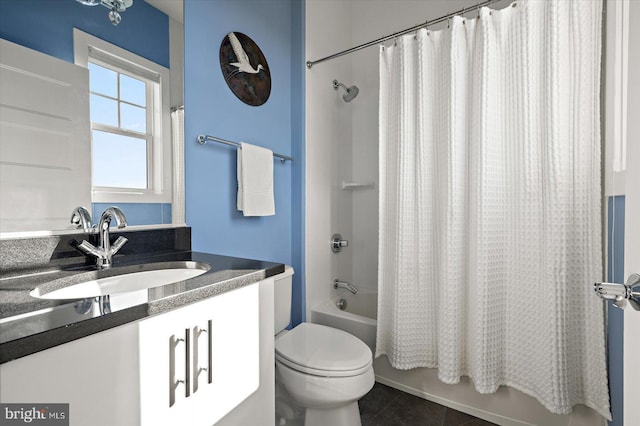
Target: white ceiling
173, 8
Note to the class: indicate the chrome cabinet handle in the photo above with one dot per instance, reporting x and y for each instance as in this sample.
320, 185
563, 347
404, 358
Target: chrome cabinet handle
173, 383
620, 294
210, 350
188, 379
187, 362
197, 370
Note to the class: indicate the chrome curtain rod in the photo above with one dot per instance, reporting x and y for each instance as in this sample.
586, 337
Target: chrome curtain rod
202, 139
399, 33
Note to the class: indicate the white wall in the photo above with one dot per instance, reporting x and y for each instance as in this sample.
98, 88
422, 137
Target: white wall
327, 136
355, 213
632, 229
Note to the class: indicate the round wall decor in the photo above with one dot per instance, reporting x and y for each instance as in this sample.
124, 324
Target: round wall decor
245, 69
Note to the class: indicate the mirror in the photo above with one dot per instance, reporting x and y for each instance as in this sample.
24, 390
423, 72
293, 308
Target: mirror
152, 29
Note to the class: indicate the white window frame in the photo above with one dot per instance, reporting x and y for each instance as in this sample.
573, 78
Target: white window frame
159, 173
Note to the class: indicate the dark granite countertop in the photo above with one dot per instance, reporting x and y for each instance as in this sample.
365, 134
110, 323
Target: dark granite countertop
29, 324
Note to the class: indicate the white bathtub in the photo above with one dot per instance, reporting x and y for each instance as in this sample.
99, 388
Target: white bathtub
359, 317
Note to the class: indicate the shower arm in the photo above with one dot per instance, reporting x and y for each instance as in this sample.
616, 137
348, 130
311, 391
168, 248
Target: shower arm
337, 84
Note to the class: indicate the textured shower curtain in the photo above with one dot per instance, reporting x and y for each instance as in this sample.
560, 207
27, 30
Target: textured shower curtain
490, 202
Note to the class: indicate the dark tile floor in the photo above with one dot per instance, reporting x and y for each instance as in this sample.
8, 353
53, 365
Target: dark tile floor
386, 406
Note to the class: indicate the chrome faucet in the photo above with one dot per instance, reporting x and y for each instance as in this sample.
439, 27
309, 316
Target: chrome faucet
343, 284
82, 219
105, 252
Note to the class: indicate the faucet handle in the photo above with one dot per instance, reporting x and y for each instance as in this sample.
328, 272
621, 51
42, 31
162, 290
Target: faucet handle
337, 243
89, 248
117, 245
81, 218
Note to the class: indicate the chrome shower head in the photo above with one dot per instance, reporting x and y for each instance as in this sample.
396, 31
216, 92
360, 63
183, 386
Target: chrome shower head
351, 92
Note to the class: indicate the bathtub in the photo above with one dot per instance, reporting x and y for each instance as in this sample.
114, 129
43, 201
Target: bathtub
358, 318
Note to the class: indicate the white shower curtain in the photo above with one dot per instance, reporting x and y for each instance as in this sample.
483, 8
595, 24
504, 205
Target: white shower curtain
490, 202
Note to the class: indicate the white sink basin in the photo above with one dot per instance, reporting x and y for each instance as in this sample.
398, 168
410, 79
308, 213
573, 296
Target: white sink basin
127, 282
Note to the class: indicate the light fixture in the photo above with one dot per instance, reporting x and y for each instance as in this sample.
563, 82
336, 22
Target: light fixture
116, 6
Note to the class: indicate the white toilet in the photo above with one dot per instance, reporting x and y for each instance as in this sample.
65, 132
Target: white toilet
325, 370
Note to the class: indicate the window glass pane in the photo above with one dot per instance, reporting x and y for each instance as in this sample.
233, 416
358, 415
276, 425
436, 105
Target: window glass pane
133, 90
133, 118
103, 80
104, 110
119, 161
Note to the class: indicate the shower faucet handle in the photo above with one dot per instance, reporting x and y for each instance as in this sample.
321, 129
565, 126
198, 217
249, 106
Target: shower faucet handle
621, 294
337, 243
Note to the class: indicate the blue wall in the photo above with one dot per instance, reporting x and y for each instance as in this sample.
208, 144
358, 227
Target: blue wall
47, 26
137, 213
298, 150
615, 323
211, 108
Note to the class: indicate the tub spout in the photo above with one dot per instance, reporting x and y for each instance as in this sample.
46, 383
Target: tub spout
343, 284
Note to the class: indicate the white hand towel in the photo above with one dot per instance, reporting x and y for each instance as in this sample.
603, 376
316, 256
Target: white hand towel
255, 181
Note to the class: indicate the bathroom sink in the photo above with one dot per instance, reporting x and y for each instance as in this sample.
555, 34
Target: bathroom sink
123, 280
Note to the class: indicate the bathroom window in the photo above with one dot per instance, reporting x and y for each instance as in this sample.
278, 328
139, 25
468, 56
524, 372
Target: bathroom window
130, 125
121, 116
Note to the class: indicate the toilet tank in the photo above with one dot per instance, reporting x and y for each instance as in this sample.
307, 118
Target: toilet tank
282, 299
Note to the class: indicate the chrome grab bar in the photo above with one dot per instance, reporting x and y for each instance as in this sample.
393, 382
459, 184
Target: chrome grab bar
620, 294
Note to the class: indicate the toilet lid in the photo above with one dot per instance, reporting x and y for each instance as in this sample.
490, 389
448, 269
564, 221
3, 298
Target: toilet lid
323, 351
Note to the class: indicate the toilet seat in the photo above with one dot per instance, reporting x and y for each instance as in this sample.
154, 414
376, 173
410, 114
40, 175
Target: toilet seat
323, 351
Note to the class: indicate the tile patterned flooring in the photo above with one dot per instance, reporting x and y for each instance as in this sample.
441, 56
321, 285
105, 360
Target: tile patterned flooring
386, 406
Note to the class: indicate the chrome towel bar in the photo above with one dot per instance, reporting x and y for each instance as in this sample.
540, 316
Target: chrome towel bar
202, 139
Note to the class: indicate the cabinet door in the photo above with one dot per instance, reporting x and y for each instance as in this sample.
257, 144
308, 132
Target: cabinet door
235, 355
197, 363
96, 375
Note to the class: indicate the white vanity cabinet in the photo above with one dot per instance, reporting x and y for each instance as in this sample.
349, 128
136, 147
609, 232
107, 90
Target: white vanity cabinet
124, 376
199, 362
95, 375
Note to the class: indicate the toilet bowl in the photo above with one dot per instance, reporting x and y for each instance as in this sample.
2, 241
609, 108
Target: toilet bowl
324, 370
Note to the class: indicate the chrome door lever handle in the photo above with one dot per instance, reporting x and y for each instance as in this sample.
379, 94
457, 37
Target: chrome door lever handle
620, 294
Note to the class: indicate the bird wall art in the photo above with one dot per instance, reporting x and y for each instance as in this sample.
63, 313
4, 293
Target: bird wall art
245, 69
